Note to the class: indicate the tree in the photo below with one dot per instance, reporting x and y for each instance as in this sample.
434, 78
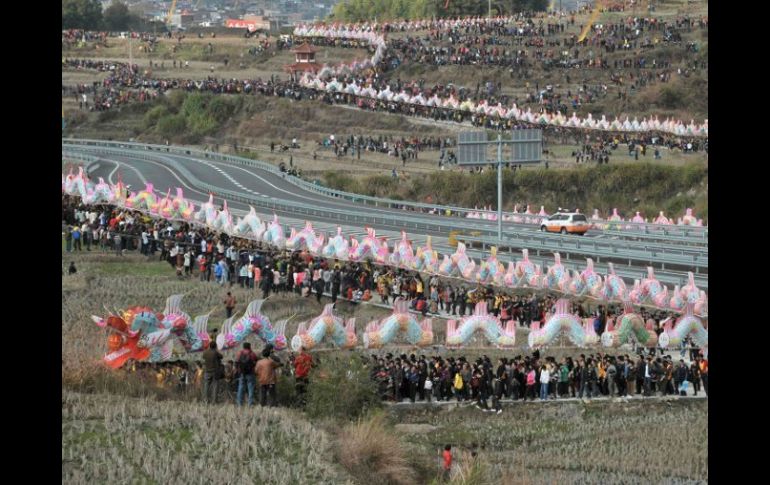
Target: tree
117, 16
81, 14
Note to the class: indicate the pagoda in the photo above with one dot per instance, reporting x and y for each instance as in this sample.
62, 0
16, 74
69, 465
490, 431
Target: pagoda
304, 60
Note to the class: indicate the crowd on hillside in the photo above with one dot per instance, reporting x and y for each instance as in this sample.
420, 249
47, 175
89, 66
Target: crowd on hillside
468, 45
236, 262
213, 257
545, 45
123, 79
408, 147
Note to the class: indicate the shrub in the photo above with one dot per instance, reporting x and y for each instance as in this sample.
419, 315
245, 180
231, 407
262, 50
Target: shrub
672, 97
286, 391
220, 109
373, 453
380, 186
151, 117
175, 99
172, 125
341, 388
341, 181
108, 115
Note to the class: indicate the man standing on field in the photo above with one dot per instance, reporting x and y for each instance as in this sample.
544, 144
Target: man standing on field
266, 375
212, 360
229, 304
302, 364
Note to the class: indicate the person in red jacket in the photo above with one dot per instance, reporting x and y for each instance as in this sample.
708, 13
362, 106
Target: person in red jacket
447, 462
302, 364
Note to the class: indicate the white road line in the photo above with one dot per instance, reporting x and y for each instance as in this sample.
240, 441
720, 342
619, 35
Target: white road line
109, 177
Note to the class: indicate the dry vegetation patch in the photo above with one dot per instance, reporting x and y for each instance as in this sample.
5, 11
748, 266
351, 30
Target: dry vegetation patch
124, 440
576, 442
370, 451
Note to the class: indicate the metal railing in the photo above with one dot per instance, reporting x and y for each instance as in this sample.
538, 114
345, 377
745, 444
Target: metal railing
543, 241
698, 233
540, 248
644, 253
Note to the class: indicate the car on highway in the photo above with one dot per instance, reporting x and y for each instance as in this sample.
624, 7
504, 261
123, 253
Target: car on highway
566, 222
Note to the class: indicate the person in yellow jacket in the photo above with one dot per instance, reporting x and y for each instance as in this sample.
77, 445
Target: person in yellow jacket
458, 386
601, 372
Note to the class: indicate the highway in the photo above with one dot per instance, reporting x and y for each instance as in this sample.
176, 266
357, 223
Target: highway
245, 182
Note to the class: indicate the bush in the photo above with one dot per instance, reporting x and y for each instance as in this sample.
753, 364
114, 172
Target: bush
672, 97
380, 186
175, 99
108, 115
155, 114
171, 125
286, 391
337, 378
373, 453
220, 109
341, 181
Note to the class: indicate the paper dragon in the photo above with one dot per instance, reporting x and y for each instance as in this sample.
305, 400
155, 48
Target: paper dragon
581, 334
342, 335
252, 322
379, 334
627, 326
141, 334
480, 321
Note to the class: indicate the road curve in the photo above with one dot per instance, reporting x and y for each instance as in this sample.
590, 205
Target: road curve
243, 185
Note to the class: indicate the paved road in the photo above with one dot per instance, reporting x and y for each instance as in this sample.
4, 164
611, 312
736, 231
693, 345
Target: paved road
137, 166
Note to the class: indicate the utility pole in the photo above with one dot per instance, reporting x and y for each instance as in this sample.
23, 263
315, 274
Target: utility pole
499, 187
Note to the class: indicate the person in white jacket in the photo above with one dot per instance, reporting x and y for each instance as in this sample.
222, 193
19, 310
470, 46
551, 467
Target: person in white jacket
545, 379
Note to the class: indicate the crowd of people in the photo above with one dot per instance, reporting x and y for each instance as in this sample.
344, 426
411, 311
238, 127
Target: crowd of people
402, 378
246, 379
498, 42
405, 147
124, 78
236, 262
215, 257
531, 377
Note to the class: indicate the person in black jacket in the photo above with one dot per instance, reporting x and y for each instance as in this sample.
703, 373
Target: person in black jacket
461, 300
640, 364
680, 375
622, 367
497, 391
336, 281
267, 281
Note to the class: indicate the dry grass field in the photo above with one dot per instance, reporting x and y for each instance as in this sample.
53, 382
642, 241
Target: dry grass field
113, 429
